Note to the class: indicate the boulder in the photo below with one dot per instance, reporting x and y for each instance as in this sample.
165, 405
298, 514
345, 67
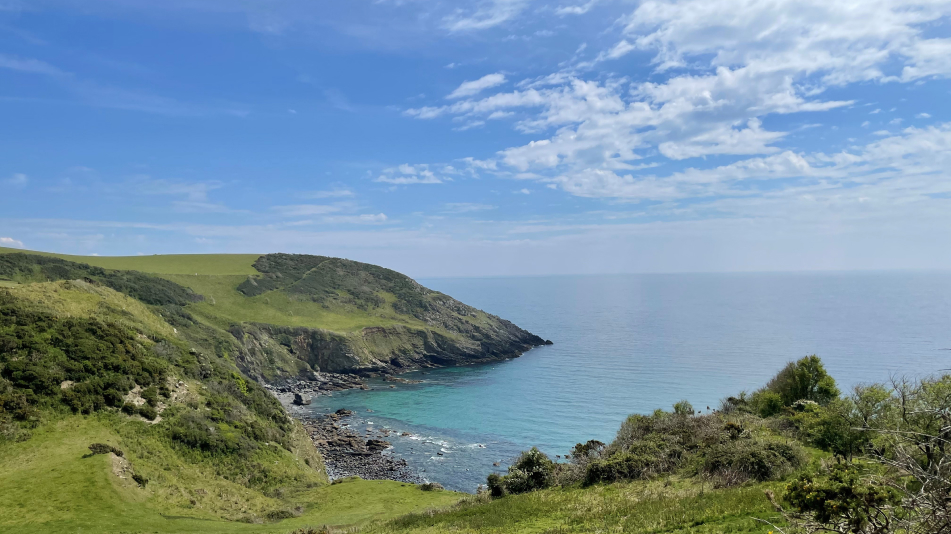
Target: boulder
301, 399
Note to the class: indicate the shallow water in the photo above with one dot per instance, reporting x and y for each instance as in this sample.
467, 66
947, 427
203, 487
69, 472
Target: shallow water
633, 343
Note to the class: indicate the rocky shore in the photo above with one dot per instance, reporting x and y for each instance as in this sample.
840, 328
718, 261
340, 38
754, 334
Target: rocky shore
348, 453
314, 384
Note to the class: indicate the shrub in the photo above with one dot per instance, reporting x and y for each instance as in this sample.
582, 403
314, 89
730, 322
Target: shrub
843, 501
683, 408
102, 448
766, 403
140, 480
805, 379
431, 486
533, 470
758, 460
150, 394
148, 412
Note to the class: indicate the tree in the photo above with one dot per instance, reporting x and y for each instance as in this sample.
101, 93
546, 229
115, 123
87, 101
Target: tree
805, 379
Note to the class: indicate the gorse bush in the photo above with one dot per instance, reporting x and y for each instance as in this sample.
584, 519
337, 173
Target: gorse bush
83, 363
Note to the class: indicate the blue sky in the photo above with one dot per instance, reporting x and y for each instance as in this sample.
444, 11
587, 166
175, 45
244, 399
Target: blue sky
487, 137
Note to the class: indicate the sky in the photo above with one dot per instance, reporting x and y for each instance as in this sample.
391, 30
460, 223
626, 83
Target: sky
483, 138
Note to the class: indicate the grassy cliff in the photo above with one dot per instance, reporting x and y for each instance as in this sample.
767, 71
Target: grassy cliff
291, 314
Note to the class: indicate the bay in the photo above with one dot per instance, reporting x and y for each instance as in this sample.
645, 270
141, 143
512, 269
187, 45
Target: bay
634, 343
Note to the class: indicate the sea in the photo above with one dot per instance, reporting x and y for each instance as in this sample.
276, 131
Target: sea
626, 344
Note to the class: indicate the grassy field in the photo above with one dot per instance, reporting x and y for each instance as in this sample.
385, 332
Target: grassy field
234, 264
639, 507
50, 485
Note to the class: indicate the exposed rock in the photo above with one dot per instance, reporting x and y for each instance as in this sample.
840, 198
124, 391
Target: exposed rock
346, 453
301, 399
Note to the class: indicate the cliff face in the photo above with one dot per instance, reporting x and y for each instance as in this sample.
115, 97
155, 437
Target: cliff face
430, 329
274, 352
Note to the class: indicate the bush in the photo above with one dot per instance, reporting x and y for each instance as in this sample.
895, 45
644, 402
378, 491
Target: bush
150, 394
805, 379
843, 501
140, 480
431, 486
102, 448
683, 408
758, 460
148, 412
533, 470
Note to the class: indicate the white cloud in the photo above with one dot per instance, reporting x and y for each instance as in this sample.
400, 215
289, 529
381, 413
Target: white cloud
491, 13
923, 116
523, 191
11, 243
843, 41
366, 218
580, 9
306, 210
407, 174
473, 87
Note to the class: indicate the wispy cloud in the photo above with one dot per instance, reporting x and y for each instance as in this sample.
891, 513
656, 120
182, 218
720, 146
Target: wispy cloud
407, 174
10, 242
466, 207
473, 87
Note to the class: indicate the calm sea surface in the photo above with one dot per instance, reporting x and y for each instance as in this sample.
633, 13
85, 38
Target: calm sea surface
633, 343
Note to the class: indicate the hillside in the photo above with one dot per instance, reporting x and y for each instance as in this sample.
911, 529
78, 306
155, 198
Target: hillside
133, 384
286, 315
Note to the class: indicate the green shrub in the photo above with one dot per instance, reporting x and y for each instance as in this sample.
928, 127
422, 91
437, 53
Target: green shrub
533, 470
150, 394
102, 448
767, 403
148, 412
683, 408
805, 379
843, 500
758, 460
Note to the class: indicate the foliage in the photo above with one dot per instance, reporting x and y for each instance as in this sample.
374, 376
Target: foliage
805, 379
903, 432
683, 408
843, 501
148, 289
322, 279
83, 363
533, 470
103, 448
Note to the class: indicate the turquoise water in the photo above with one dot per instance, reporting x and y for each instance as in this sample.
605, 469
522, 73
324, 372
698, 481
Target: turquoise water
633, 343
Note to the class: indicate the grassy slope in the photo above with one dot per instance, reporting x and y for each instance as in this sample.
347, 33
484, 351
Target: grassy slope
636, 507
49, 487
224, 305
216, 276
233, 264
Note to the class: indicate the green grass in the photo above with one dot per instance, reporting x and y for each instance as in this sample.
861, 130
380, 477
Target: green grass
48, 486
636, 507
75, 298
164, 264
224, 305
